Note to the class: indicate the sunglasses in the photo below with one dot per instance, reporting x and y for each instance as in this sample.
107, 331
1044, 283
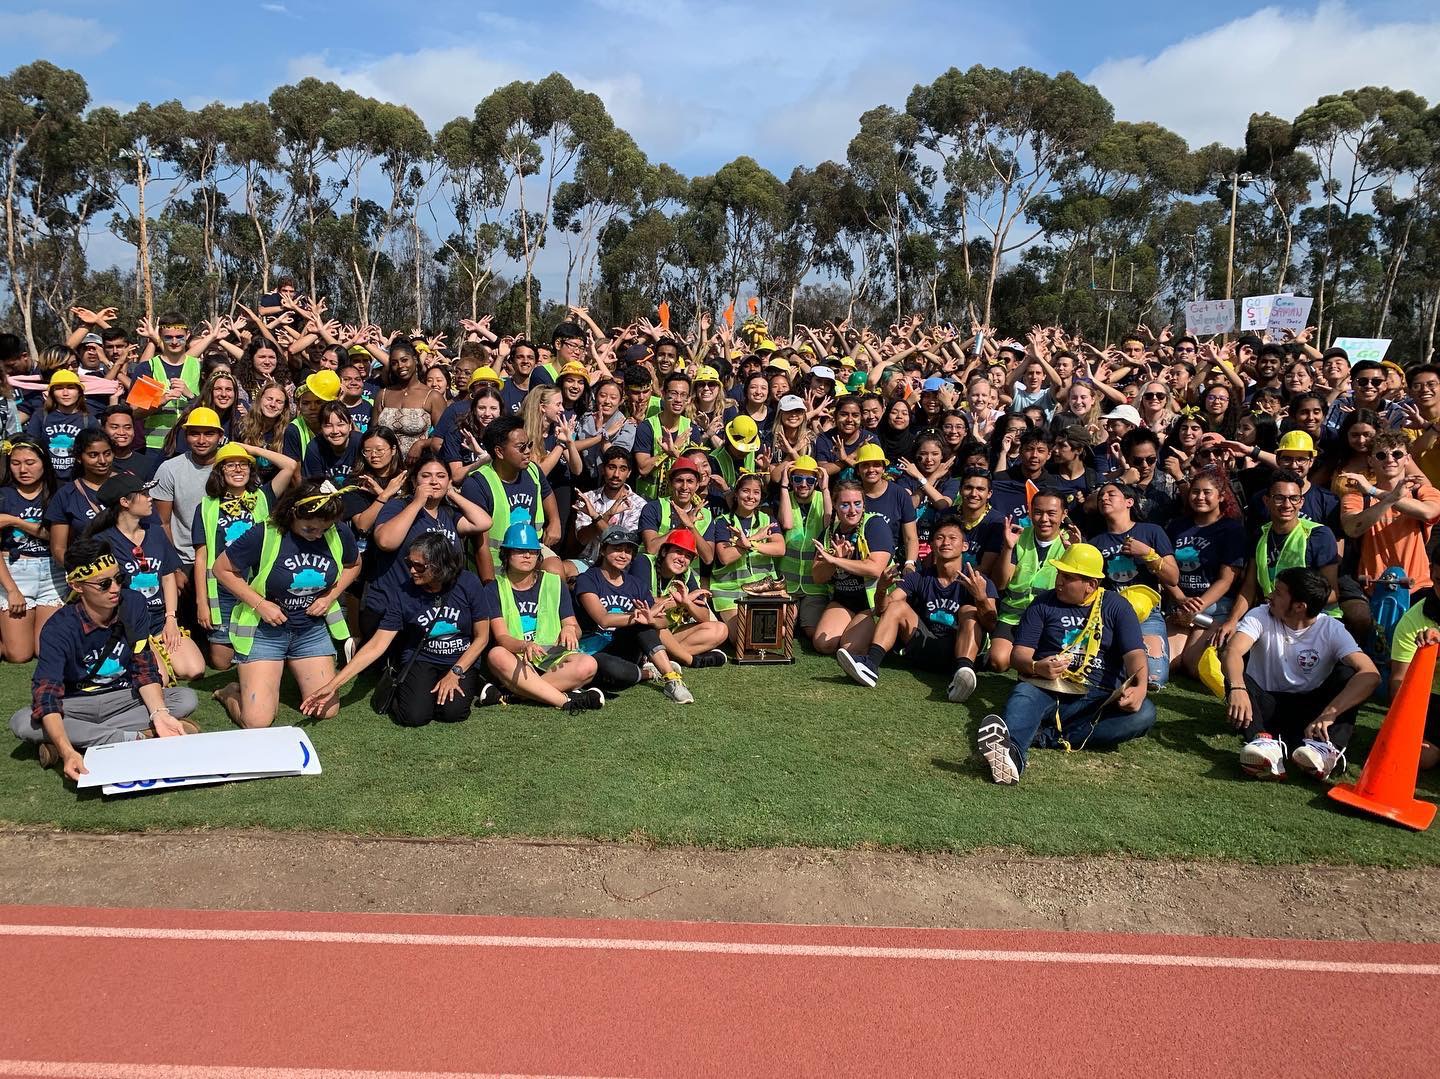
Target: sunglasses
1186, 348
417, 567
803, 481
1369, 382
173, 336
1390, 455
104, 584
1143, 460
1154, 396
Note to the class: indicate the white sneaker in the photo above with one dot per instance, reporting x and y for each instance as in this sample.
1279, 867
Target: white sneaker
676, 690
1264, 758
858, 668
649, 672
1319, 759
994, 741
962, 684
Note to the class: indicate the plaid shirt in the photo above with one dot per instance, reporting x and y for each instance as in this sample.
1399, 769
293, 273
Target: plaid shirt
68, 638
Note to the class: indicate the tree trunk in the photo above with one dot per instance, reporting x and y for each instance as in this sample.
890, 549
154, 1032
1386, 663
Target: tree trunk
147, 285
1430, 336
1395, 264
419, 296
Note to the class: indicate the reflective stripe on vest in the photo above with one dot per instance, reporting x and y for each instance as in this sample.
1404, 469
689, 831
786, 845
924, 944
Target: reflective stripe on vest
244, 619
650, 486
547, 620
1292, 553
500, 506
1029, 576
862, 552
798, 562
158, 424
702, 520
210, 524
728, 582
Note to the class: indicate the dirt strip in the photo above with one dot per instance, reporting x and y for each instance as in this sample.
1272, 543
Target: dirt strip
991, 890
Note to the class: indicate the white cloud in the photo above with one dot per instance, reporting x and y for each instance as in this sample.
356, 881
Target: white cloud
1279, 61
57, 33
279, 9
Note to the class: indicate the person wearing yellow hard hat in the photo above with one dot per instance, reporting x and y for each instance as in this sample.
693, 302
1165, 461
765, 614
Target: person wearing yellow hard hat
850, 560
1210, 553
707, 406
316, 389
1138, 553
890, 502
1080, 653
804, 514
736, 453
180, 483
60, 422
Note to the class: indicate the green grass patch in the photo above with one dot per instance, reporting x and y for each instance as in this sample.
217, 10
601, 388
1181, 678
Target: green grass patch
767, 756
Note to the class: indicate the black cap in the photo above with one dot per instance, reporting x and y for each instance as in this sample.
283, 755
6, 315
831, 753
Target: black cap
616, 535
120, 486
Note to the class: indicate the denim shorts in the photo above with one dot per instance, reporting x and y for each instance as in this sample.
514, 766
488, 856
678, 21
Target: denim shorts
282, 642
40, 581
220, 633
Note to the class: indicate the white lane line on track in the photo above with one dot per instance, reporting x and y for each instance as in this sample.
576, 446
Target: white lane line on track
44, 1069
718, 947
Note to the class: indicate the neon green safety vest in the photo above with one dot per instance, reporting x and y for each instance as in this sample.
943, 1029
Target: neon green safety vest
547, 621
862, 552
305, 434
500, 505
244, 618
726, 465
650, 486
727, 583
1029, 576
210, 522
1292, 554
158, 424
702, 519
799, 560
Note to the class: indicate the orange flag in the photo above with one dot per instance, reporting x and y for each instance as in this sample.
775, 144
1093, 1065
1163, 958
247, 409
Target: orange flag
753, 303
664, 315
1030, 492
729, 314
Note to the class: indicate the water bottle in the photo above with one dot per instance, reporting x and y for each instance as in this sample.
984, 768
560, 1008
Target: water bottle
1203, 620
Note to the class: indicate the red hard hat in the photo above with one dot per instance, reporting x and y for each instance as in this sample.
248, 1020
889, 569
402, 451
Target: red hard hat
680, 537
685, 464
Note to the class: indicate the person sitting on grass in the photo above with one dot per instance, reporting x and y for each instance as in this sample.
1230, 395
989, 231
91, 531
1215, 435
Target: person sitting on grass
748, 548
1295, 676
97, 680
933, 619
1082, 645
440, 613
691, 633
287, 576
533, 627
850, 561
617, 604
1022, 564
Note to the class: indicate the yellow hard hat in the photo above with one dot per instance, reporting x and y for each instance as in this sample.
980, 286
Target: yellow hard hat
707, 374
778, 363
742, 433
233, 451
1142, 597
64, 377
203, 417
486, 374
1296, 442
572, 369
805, 465
765, 345
868, 453
323, 384
1083, 560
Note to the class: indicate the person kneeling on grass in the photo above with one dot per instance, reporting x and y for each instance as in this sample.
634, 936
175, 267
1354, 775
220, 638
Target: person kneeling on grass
618, 609
1302, 684
1080, 651
440, 614
97, 680
933, 618
691, 633
533, 627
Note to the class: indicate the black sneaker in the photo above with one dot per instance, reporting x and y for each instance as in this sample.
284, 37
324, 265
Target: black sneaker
584, 700
858, 668
490, 693
712, 658
994, 741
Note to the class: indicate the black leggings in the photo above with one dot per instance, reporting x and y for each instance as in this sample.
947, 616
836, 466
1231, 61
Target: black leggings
414, 704
1286, 715
618, 663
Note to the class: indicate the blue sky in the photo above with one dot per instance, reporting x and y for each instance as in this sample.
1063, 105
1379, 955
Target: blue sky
699, 83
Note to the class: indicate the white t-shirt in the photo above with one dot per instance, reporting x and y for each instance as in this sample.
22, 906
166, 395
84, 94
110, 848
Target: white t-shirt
1284, 660
629, 519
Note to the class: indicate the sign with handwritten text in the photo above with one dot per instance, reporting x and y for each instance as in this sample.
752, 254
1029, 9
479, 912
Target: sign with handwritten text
1206, 317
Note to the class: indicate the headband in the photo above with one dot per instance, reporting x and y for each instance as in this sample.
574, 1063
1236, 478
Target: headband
328, 492
93, 569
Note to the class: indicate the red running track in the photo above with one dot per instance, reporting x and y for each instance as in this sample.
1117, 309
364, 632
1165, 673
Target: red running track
158, 994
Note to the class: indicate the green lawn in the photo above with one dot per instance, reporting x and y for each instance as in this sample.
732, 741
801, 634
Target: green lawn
768, 756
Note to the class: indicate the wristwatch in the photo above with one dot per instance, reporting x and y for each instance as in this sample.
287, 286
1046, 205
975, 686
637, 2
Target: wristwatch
458, 671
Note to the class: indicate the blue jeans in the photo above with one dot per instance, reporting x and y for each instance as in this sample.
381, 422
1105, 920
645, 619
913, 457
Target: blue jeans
1030, 715
282, 642
1157, 668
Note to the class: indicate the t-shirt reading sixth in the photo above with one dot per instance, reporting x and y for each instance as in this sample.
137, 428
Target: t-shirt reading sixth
1049, 626
446, 623
1201, 551
16, 541
527, 605
939, 604
303, 569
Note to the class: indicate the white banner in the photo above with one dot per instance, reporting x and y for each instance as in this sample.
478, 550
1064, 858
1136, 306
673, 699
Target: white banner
1255, 311
1204, 318
1363, 348
1290, 313
273, 750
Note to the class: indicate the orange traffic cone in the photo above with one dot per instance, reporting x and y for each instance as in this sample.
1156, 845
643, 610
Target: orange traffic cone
1387, 782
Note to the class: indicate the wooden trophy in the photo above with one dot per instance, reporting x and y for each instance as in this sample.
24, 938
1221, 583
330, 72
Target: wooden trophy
765, 626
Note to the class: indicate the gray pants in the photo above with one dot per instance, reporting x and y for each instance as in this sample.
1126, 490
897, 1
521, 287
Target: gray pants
97, 719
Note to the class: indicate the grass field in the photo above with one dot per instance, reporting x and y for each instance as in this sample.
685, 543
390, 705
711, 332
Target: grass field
767, 756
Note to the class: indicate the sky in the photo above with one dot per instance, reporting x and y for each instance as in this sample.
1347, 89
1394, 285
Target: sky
698, 84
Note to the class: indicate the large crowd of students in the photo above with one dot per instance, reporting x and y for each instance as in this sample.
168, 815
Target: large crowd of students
558, 521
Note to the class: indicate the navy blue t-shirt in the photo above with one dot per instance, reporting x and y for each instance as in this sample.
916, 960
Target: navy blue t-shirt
828, 447
58, 431
1320, 505
229, 526
16, 541
520, 494
939, 604
631, 593
302, 570
1122, 569
1201, 550
1007, 494
389, 566
894, 507
141, 464
322, 459
362, 412
1049, 625
67, 653
527, 605
878, 538
446, 622
513, 396
73, 504
155, 560
927, 516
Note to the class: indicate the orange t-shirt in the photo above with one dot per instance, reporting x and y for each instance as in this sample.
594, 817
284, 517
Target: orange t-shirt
1395, 540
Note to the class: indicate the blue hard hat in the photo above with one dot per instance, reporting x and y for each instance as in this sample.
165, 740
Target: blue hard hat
521, 535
